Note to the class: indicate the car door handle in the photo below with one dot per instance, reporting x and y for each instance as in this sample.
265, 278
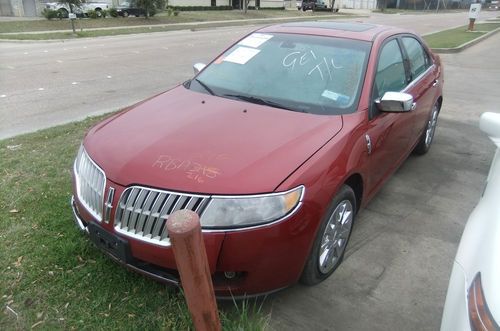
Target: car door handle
414, 106
436, 83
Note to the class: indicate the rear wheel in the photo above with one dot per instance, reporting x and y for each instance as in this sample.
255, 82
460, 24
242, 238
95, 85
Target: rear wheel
332, 237
125, 13
425, 142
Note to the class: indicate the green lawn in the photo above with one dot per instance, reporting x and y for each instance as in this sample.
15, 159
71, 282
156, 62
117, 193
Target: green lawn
51, 276
161, 18
455, 37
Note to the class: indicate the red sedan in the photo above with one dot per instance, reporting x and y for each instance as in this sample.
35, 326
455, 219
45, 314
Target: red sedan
276, 144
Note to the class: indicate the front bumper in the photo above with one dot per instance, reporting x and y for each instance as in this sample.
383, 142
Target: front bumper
162, 275
264, 259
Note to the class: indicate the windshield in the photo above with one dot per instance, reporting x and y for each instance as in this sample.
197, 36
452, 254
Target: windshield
321, 75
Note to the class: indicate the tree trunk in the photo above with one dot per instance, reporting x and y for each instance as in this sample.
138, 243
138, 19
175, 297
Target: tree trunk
72, 20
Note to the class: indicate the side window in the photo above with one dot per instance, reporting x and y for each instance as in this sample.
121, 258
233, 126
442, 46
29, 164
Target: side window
391, 74
419, 59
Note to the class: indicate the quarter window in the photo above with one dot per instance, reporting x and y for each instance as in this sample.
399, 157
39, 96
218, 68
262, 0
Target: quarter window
419, 59
391, 74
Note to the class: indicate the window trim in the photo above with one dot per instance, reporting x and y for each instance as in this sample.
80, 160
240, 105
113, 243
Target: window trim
407, 57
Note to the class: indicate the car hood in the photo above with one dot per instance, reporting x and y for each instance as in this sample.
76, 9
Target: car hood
193, 142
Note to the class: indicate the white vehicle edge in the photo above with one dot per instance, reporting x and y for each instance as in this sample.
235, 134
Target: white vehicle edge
473, 298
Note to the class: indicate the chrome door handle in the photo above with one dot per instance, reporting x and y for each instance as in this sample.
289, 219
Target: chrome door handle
436, 83
414, 106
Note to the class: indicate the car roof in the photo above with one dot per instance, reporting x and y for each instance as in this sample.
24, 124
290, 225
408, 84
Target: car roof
351, 30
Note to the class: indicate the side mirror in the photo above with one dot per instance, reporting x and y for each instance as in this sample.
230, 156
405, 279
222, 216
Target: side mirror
489, 123
198, 67
395, 102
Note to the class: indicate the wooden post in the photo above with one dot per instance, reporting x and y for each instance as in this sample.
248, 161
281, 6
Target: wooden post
191, 258
471, 24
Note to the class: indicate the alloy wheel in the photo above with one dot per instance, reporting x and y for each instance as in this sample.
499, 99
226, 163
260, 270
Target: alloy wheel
431, 126
335, 236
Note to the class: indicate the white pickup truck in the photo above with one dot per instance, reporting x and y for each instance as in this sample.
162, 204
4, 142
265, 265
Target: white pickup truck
80, 11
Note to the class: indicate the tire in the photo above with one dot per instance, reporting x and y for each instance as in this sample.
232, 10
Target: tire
98, 12
63, 13
125, 13
427, 137
331, 240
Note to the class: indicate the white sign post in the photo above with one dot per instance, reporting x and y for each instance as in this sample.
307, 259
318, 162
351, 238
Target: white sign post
474, 10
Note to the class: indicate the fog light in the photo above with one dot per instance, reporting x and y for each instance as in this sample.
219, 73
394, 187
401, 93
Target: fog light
229, 274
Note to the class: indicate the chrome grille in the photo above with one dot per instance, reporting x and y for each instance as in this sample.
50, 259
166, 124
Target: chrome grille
142, 212
90, 182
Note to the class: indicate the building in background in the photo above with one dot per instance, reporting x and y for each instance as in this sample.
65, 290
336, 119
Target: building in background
28, 8
32, 8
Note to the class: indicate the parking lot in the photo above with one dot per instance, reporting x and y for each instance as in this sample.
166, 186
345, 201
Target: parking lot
395, 274
396, 269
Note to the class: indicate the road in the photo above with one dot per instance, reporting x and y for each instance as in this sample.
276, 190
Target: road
43, 84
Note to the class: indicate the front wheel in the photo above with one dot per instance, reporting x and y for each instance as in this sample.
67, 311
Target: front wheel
62, 13
425, 142
332, 237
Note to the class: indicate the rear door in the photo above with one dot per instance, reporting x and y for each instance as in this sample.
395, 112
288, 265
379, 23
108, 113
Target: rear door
423, 83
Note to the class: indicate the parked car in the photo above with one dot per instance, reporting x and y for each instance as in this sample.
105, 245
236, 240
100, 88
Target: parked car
127, 9
276, 144
80, 11
313, 5
473, 299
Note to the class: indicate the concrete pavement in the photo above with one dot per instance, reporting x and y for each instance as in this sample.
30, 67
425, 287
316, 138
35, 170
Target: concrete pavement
395, 274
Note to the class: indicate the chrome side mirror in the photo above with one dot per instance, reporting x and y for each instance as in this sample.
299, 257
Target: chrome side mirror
198, 67
395, 102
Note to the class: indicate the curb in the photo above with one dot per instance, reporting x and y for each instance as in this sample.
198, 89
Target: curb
466, 45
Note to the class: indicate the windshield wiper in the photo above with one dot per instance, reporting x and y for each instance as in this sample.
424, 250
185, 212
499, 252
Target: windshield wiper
261, 101
208, 89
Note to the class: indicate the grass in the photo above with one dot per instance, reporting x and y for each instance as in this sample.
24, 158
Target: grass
161, 18
455, 37
52, 276
123, 31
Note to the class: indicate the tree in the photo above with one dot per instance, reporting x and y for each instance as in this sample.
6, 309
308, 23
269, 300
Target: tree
150, 6
382, 4
72, 4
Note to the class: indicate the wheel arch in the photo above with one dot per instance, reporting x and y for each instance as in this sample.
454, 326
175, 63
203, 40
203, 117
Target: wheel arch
355, 182
440, 102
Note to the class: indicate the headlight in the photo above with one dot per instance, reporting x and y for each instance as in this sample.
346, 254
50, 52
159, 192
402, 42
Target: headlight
244, 211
